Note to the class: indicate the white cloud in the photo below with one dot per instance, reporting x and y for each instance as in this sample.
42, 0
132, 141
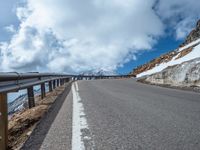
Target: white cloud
179, 14
10, 29
74, 36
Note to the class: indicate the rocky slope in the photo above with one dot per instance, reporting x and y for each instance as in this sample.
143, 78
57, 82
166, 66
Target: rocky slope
180, 67
18, 104
21, 102
184, 74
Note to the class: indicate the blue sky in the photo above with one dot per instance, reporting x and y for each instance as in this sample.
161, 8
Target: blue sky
80, 36
7, 17
163, 46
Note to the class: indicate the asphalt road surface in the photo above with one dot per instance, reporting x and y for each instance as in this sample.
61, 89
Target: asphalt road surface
126, 115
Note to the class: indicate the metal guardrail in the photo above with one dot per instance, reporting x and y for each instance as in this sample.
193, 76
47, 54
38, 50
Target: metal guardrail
13, 82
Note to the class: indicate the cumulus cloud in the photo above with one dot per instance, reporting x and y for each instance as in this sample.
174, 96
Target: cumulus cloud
74, 36
180, 15
77, 36
10, 29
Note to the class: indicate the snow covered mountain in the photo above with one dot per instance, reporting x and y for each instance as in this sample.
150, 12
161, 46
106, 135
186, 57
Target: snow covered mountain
21, 102
180, 67
100, 72
18, 104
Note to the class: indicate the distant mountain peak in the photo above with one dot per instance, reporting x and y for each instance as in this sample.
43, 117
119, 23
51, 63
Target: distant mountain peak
99, 72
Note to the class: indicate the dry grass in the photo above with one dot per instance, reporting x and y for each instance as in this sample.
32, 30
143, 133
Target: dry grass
22, 123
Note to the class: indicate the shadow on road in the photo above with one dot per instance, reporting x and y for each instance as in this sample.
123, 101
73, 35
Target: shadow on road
37, 137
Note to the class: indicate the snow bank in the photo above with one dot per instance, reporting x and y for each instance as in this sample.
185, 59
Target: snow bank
195, 53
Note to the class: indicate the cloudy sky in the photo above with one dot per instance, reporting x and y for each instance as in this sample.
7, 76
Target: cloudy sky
75, 36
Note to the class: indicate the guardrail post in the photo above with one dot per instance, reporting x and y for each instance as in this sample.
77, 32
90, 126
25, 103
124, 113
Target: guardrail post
67, 79
3, 121
42, 90
61, 83
31, 99
50, 86
57, 82
54, 84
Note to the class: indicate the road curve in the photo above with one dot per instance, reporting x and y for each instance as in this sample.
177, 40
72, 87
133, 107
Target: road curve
120, 115
126, 115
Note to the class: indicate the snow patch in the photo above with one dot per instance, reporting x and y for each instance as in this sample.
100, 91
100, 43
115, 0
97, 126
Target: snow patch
195, 53
189, 45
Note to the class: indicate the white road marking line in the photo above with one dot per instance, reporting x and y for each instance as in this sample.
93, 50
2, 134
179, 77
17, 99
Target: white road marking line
79, 122
76, 86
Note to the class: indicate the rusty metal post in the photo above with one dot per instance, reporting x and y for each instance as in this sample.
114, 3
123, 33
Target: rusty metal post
3, 121
50, 86
42, 90
31, 100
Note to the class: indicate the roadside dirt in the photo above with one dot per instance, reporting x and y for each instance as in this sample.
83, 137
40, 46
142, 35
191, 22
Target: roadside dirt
22, 123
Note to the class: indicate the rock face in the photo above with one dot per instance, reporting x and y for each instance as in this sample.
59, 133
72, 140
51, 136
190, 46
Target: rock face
185, 74
194, 35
